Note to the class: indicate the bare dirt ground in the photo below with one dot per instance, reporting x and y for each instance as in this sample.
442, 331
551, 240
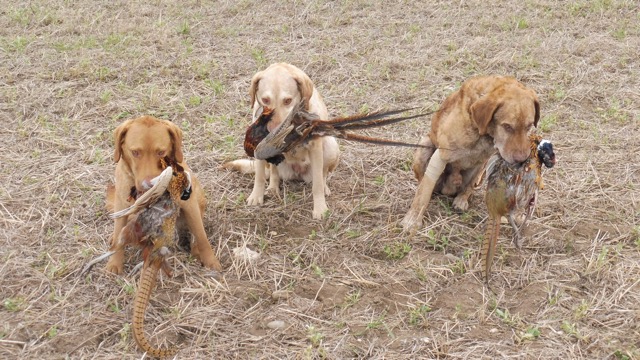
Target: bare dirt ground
352, 285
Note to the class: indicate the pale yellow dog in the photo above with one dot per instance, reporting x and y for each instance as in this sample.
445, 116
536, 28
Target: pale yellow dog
280, 87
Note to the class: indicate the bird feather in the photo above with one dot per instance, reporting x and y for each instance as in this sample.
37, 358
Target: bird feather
161, 183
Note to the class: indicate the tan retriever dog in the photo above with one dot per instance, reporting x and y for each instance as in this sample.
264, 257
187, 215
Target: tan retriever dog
282, 86
486, 113
139, 145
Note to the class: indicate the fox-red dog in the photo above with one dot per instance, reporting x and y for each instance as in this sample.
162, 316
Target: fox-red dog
139, 145
485, 114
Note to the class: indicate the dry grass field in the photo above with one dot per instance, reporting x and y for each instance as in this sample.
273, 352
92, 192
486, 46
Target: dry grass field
351, 285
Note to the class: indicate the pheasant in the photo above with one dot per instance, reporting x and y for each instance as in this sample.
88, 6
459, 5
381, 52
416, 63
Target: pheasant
152, 226
301, 126
512, 190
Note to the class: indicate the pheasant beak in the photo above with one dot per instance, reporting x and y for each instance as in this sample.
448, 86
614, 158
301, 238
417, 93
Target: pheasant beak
164, 251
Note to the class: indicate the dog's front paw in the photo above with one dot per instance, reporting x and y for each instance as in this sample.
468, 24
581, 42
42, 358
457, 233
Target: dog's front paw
204, 253
256, 198
411, 222
461, 203
319, 211
114, 265
211, 261
274, 190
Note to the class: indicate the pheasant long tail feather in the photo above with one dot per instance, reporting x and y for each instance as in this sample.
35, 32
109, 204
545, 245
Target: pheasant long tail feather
342, 121
372, 140
489, 245
147, 283
370, 120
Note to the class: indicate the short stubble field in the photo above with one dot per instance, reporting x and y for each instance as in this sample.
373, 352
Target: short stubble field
351, 285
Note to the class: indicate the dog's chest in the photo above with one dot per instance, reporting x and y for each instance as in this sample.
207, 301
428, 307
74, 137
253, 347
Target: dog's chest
296, 165
475, 155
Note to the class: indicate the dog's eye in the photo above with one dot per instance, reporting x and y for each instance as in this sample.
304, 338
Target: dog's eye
161, 153
508, 128
266, 101
135, 153
287, 101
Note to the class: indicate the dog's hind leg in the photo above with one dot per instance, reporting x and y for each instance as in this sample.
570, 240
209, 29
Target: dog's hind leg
413, 219
422, 156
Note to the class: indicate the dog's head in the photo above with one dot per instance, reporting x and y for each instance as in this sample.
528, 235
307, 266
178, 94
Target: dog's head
141, 143
280, 87
507, 113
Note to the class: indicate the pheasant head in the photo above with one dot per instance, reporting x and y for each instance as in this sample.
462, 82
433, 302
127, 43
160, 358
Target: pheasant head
257, 131
180, 184
546, 154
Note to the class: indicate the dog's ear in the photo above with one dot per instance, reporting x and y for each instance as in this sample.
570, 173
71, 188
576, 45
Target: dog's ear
536, 105
253, 88
176, 140
305, 85
482, 112
118, 137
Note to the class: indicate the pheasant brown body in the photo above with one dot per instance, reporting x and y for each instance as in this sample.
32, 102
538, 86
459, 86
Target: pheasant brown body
512, 191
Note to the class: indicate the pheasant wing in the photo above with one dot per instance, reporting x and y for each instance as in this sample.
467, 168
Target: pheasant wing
160, 185
283, 138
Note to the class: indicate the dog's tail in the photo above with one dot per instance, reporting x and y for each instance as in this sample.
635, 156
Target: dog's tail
244, 166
